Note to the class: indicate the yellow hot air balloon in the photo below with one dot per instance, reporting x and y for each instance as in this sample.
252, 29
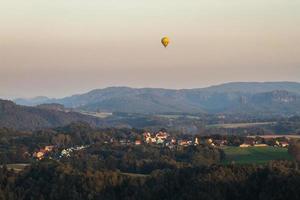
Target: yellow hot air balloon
165, 41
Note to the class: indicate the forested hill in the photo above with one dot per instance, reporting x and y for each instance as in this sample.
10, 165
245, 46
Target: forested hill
23, 117
255, 87
271, 97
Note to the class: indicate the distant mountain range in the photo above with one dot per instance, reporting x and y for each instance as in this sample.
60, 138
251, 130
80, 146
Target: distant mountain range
281, 98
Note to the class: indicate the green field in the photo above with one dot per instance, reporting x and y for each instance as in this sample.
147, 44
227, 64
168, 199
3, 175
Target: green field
256, 155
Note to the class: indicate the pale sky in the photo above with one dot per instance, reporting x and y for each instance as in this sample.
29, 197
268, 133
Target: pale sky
62, 47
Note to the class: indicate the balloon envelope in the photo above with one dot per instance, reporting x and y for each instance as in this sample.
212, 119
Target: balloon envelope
165, 41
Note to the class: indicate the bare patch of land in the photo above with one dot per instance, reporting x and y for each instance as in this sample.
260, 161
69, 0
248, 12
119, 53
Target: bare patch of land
16, 167
276, 136
178, 116
97, 114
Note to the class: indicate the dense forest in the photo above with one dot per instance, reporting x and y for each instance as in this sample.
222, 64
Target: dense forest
52, 180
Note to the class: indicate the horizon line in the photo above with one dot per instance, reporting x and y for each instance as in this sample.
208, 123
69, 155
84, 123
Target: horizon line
131, 87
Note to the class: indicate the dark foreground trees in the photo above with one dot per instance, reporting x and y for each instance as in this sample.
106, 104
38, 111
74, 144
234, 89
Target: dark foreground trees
53, 180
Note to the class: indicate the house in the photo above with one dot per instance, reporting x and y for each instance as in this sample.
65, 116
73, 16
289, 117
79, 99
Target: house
244, 145
209, 141
182, 143
66, 153
147, 134
150, 140
153, 140
147, 137
123, 142
251, 141
170, 145
39, 155
158, 138
49, 148
284, 144
138, 142
185, 142
42, 152
220, 142
161, 135
260, 145
173, 141
159, 141
80, 147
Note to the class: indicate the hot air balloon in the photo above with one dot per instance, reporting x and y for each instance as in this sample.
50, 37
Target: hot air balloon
165, 41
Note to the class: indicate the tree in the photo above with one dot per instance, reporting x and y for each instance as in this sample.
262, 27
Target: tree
294, 150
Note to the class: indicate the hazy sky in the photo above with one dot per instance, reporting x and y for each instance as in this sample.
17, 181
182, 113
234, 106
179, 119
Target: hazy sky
61, 47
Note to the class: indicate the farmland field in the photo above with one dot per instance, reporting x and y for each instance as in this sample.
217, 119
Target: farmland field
256, 155
178, 116
97, 114
239, 125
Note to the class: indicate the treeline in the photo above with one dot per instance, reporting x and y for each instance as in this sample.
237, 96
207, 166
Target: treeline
143, 159
16, 146
49, 180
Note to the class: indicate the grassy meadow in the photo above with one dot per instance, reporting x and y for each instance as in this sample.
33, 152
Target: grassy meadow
255, 155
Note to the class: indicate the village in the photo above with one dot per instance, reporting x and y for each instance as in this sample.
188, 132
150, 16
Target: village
164, 139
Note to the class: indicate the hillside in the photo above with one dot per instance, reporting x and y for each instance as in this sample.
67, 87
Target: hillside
23, 117
255, 87
270, 97
32, 102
